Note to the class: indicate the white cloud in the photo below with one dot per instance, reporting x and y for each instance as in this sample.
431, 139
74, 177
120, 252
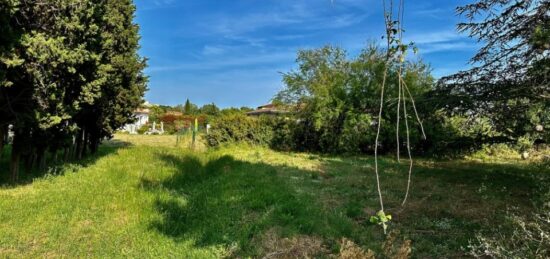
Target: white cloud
437, 41
434, 37
241, 46
209, 50
163, 2
302, 15
233, 61
447, 46
434, 13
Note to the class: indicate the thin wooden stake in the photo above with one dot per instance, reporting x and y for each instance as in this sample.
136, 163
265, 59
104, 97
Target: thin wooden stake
408, 148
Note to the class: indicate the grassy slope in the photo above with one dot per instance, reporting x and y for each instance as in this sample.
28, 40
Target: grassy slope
152, 199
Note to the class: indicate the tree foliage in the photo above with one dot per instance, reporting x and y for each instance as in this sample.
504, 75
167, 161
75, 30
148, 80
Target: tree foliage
510, 79
190, 108
70, 75
210, 109
336, 98
237, 127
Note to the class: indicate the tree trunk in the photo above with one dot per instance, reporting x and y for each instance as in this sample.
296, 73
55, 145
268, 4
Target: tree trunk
70, 150
3, 133
15, 157
67, 153
30, 160
14, 165
41, 159
86, 144
55, 155
94, 144
79, 144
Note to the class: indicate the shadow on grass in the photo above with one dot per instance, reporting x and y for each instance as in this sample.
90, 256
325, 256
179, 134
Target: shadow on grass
223, 201
520, 181
229, 202
520, 177
55, 168
449, 201
452, 202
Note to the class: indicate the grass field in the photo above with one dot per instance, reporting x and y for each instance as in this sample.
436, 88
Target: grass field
144, 197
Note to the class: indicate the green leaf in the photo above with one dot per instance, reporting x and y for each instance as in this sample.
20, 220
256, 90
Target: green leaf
13, 62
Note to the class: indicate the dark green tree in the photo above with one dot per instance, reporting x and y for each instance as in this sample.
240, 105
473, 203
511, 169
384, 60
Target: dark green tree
69, 70
51, 73
8, 38
122, 93
210, 109
509, 82
190, 108
187, 107
336, 99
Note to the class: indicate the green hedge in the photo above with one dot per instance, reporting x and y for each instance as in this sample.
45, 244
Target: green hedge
231, 128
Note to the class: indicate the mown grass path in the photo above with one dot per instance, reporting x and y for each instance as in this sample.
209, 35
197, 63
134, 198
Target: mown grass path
143, 197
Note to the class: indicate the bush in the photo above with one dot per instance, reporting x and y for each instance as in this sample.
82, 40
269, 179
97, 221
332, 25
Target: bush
143, 129
231, 128
488, 152
358, 133
174, 123
284, 134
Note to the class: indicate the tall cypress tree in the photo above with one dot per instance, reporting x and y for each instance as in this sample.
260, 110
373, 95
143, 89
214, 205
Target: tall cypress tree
58, 76
8, 38
123, 92
70, 74
189, 108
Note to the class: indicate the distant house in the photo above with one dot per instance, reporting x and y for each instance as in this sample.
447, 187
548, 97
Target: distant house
142, 118
268, 109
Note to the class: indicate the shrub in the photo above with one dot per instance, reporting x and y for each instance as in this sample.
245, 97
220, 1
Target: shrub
143, 129
229, 128
174, 122
524, 143
357, 134
495, 152
170, 118
284, 134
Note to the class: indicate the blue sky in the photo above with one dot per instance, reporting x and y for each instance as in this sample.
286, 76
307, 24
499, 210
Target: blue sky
232, 52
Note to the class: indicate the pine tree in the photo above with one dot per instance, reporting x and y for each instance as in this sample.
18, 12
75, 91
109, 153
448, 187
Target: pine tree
510, 79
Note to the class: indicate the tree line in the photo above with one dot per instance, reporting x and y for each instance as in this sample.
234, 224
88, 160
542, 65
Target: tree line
182, 116
331, 102
503, 99
70, 75
192, 109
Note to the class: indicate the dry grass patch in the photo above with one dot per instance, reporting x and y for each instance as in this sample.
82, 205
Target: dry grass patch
275, 247
350, 250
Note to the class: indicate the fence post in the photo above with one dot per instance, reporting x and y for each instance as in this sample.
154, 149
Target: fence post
195, 131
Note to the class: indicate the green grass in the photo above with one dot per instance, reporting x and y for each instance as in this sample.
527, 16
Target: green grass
144, 197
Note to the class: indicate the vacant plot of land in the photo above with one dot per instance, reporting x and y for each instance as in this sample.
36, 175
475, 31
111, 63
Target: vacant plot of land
144, 197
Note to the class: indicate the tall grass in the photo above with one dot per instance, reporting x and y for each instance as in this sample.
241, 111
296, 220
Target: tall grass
145, 197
